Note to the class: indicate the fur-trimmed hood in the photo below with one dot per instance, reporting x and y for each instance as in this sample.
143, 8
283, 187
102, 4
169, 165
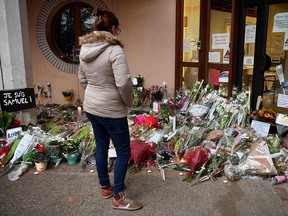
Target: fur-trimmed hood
94, 43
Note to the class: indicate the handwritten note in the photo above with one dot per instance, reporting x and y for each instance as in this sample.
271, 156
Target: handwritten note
261, 128
16, 100
282, 101
13, 133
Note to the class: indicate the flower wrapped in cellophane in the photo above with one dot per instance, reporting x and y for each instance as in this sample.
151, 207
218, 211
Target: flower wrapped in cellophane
140, 94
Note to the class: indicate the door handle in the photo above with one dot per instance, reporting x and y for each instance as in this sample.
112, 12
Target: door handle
267, 62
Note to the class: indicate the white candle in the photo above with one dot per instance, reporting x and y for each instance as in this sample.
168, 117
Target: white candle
79, 109
174, 123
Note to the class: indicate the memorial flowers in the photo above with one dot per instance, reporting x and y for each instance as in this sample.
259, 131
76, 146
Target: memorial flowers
40, 153
156, 93
265, 115
140, 81
67, 95
139, 92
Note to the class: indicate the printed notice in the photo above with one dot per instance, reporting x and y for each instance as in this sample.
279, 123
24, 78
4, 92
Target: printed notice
248, 60
280, 22
282, 119
282, 101
286, 40
250, 33
220, 41
214, 57
186, 45
261, 128
226, 56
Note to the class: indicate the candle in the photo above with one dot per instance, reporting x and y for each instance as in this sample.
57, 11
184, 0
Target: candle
79, 109
174, 123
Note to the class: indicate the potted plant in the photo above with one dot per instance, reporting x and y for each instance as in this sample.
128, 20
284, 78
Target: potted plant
40, 157
54, 148
70, 150
67, 95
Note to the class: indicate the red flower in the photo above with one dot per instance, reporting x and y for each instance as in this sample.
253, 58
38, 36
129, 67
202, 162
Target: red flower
41, 148
151, 122
15, 123
197, 157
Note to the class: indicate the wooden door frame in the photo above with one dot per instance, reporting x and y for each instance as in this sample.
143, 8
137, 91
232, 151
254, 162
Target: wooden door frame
204, 37
178, 44
202, 63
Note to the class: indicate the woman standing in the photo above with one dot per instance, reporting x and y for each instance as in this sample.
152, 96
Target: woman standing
105, 76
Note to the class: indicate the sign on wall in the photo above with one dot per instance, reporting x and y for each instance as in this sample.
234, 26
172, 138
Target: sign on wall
250, 33
17, 100
220, 41
280, 22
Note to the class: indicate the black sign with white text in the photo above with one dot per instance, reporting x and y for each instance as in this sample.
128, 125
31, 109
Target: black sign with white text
17, 100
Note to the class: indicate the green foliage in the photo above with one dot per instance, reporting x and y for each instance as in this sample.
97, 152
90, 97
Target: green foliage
50, 124
11, 152
6, 119
69, 146
57, 130
39, 156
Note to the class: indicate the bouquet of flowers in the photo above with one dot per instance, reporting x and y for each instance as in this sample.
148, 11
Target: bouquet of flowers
40, 153
67, 95
265, 115
138, 81
139, 92
157, 93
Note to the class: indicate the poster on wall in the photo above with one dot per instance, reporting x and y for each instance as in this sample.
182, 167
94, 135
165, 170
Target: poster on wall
286, 40
250, 33
226, 56
282, 101
224, 77
215, 74
17, 100
214, 57
220, 41
186, 45
280, 22
248, 60
281, 25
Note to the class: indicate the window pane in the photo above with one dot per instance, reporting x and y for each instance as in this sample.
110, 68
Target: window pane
190, 76
87, 19
64, 33
64, 29
191, 30
249, 47
220, 29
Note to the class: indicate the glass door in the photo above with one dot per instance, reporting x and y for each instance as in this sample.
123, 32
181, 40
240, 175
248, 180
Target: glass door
191, 21
219, 45
249, 48
187, 60
263, 28
276, 48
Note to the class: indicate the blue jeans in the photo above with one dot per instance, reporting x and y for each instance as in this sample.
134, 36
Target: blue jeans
118, 130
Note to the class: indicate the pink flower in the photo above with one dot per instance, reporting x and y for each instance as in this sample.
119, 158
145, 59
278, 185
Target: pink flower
139, 120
